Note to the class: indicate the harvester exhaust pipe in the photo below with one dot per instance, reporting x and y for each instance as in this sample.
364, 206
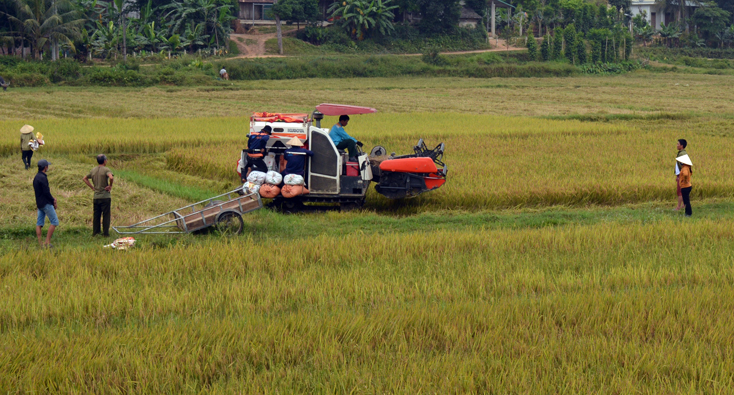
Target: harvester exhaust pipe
318, 116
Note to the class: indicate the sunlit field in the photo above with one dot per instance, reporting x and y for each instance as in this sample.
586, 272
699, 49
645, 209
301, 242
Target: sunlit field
550, 262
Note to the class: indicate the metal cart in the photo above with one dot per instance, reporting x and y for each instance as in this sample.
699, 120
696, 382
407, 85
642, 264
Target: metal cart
224, 212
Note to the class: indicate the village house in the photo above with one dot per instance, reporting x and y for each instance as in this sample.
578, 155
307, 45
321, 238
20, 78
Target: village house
656, 13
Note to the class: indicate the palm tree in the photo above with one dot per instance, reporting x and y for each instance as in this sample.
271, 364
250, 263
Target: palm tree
46, 23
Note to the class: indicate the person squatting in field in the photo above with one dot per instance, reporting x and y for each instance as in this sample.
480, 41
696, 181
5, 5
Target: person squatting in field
4, 84
294, 159
256, 144
102, 178
342, 140
26, 137
682, 143
45, 203
686, 170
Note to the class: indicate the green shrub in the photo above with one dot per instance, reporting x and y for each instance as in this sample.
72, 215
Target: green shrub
581, 50
609, 68
64, 70
487, 58
113, 76
169, 76
569, 36
557, 44
131, 64
9, 61
671, 54
545, 50
434, 57
532, 47
26, 79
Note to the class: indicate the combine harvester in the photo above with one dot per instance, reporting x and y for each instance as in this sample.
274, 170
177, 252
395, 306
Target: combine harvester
331, 179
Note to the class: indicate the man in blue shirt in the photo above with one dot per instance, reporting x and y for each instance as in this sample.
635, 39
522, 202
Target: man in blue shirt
296, 158
342, 140
256, 144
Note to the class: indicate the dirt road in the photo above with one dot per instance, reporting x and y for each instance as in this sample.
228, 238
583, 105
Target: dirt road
253, 46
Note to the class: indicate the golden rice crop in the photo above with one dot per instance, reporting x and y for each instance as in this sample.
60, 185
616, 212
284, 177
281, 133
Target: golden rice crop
605, 308
91, 136
497, 162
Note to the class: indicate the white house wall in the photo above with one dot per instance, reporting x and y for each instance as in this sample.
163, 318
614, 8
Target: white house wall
649, 7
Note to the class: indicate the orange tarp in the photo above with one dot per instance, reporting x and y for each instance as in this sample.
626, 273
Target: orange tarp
279, 117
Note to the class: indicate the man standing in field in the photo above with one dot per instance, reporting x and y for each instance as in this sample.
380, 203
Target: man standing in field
685, 165
26, 136
45, 203
342, 140
682, 143
102, 178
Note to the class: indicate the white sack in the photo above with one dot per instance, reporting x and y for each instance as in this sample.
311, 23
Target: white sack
251, 187
294, 179
273, 177
270, 162
256, 177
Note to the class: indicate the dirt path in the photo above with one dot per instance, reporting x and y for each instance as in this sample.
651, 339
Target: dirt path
253, 46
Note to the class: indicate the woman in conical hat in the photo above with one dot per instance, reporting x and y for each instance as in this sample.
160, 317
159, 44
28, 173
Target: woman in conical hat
295, 158
26, 137
295, 142
686, 170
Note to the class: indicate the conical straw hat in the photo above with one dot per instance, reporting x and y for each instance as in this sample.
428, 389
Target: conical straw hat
685, 160
295, 142
26, 129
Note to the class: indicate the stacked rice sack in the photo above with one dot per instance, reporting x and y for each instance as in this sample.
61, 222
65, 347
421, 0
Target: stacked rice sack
270, 188
254, 181
294, 186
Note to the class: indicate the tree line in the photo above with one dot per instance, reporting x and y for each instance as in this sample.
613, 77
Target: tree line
94, 28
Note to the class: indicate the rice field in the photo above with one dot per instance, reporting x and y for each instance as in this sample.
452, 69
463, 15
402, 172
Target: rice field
550, 262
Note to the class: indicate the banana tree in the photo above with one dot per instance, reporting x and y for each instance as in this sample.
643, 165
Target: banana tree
194, 36
105, 39
151, 38
668, 32
361, 17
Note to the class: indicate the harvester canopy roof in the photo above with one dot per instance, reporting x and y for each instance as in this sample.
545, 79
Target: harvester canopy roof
343, 109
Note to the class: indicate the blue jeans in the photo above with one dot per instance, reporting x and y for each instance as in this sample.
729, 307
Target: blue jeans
49, 211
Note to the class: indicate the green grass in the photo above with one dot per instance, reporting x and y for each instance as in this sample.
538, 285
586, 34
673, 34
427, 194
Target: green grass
167, 187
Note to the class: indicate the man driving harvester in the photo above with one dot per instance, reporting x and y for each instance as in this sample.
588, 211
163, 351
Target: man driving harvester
342, 140
256, 143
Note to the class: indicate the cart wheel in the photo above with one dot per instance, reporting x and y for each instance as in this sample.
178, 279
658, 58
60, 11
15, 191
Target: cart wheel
230, 224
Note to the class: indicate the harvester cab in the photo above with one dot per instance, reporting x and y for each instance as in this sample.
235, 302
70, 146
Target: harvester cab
332, 178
